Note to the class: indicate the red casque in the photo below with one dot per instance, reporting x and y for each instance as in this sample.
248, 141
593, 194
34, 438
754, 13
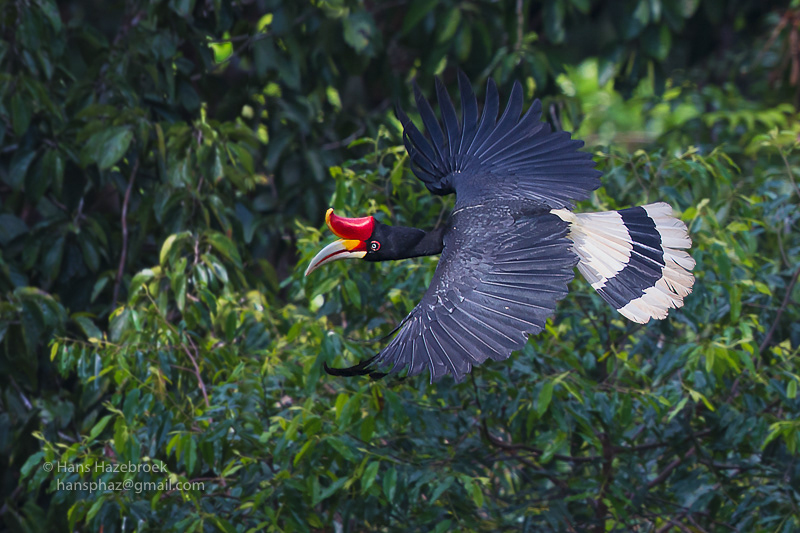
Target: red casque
350, 228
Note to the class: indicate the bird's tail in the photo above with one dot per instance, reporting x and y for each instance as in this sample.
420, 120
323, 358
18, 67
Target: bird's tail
634, 258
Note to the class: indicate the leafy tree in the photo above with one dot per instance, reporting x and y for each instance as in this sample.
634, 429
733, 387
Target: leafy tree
164, 167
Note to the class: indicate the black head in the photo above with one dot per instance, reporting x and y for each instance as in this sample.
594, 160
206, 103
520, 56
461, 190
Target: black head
392, 242
366, 238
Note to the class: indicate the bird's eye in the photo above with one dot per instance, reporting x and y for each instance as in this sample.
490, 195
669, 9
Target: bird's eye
374, 246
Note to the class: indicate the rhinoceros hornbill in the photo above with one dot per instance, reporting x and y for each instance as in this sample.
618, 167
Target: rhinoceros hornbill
512, 241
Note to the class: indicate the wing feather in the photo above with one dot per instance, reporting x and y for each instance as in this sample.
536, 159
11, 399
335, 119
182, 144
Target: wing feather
489, 116
431, 123
513, 157
505, 124
449, 118
475, 309
469, 111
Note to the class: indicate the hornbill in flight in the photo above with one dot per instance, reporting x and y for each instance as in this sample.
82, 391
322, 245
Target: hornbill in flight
510, 245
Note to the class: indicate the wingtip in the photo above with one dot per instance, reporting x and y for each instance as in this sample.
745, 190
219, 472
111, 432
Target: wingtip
441, 92
536, 107
400, 114
492, 98
361, 369
465, 89
417, 91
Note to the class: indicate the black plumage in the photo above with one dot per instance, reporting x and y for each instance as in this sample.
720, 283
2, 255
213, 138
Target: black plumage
510, 246
511, 158
498, 280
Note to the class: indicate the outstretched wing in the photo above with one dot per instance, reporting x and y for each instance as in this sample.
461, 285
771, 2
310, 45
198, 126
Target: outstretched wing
512, 157
498, 281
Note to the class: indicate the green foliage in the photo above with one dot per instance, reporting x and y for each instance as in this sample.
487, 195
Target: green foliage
163, 167
598, 421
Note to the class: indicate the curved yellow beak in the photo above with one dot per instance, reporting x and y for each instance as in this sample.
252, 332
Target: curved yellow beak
341, 249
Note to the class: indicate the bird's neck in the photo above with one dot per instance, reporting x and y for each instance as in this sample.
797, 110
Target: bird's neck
399, 242
430, 243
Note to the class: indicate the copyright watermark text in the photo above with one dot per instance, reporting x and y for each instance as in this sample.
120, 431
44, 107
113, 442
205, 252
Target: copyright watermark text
168, 484
105, 468
138, 487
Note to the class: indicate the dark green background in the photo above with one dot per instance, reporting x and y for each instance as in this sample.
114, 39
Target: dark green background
164, 171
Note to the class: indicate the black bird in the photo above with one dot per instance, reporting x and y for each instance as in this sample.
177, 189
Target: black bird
510, 246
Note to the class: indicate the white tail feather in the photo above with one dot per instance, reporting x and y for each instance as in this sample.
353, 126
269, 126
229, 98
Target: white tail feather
620, 265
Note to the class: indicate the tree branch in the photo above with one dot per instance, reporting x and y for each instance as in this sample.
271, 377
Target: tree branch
515, 447
196, 367
670, 467
601, 510
124, 254
786, 298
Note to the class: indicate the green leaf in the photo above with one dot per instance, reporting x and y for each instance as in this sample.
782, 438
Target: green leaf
140, 279
53, 170
390, 484
215, 267
699, 396
190, 453
359, 31
416, 11
169, 246
222, 51
33, 324
307, 446
120, 321
19, 168
642, 12
243, 157
688, 7
477, 493
225, 246
657, 41
545, 395
50, 10
33, 461
370, 473
328, 492
554, 21
91, 256
452, 21
99, 427
20, 114
581, 5
353, 294
333, 97
367, 428
29, 30
441, 488
443, 526
88, 327
95, 508
678, 409
342, 448
341, 401
11, 227
224, 525
108, 146
53, 257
